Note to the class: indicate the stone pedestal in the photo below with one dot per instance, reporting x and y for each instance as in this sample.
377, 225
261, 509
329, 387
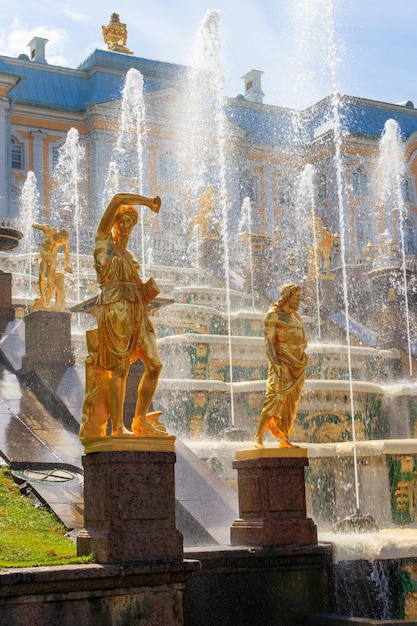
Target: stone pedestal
129, 507
6, 309
326, 294
47, 341
272, 504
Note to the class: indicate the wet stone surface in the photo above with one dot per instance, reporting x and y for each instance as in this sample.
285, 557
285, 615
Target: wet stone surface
32, 439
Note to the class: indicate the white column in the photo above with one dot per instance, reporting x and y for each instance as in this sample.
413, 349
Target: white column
4, 158
38, 137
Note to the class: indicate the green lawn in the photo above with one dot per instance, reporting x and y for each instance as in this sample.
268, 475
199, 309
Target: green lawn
30, 536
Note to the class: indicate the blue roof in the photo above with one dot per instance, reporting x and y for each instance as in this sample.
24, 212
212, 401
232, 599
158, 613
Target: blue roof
50, 87
100, 78
265, 124
359, 117
365, 117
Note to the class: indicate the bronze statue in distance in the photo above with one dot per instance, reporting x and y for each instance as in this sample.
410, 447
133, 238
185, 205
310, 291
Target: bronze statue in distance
285, 344
124, 332
50, 281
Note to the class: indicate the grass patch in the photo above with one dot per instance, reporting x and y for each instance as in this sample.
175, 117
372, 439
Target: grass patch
29, 536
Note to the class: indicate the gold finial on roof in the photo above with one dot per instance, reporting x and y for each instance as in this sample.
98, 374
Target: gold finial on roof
115, 35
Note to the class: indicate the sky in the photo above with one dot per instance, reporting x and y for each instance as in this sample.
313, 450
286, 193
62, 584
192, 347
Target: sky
306, 48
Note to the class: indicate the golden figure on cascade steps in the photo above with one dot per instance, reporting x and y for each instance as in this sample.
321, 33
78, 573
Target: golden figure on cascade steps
125, 333
51, 282
285, 344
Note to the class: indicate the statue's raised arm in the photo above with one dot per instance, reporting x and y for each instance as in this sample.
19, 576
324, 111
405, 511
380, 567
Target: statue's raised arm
124, 198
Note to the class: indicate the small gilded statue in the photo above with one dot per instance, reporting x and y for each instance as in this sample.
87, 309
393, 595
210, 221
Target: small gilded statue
124, 332
285, 344
51, 282
319, 253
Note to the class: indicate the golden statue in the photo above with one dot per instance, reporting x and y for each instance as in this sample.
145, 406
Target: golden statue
285, 344
209, 228
115, 35
51, 282
125, 333
319, 253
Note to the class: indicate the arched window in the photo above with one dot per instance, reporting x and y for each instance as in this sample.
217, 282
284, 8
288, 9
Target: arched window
17, 154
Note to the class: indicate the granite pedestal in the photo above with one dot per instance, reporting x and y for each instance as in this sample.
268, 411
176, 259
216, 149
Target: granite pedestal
272, 505
129, 507
6, 308
47, 341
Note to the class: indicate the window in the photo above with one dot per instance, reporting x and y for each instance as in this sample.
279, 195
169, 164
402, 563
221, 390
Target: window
406, 190
285, 191
359, 182
365, 226
322, 188
249, 187
17, 155
410, 247
54, 157
167, 168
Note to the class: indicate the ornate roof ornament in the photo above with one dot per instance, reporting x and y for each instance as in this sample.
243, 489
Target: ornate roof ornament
115, 35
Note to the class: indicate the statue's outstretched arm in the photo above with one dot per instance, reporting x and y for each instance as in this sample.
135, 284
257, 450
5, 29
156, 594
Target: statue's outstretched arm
43, 227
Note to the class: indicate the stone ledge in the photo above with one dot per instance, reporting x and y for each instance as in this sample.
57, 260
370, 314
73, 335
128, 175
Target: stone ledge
64, 579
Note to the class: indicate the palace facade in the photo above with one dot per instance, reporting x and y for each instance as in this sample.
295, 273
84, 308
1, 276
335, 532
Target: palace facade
267, 147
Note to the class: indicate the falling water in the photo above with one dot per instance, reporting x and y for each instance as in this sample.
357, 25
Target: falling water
126, 168
245, 225
67, 195
392, 171
208, 122
196, 245
306, 205
28, 214
341, 197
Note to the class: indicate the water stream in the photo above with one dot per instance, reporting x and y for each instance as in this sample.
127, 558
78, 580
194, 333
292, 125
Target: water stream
205, 87
245, 225
343, 227
392, 173
28, 214
126, 168
68, 208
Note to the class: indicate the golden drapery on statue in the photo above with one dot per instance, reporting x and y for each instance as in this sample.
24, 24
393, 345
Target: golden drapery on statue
285, 344
124, 332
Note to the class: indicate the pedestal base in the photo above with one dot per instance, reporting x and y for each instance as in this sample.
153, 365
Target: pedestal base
272, 506
6, 308
326, 293
129, 507
47, 342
